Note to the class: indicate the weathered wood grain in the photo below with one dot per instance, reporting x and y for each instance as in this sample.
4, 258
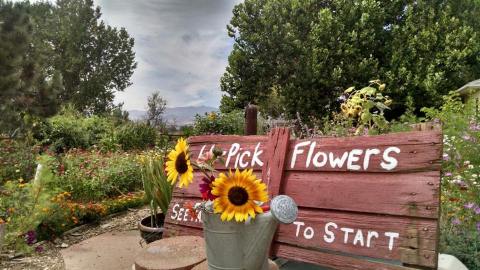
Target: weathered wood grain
193, 189
420, 151
273, 169
214, 139
333, 261
241, 157
178, 215
404, 200
415, 236
172, 231
405, 194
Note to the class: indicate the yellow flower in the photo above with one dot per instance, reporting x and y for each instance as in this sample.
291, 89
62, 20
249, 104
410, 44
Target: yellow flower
21, 185
238, 194
178, 164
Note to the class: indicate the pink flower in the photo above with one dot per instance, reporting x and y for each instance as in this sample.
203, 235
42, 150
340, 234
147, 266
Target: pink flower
456, 221
469, 205
205, 157
206, 188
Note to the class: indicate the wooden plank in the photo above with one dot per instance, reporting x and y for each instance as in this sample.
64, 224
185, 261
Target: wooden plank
405, 194
392, 238
419, 151
396, 191
213, 139
272, 173
178, 215
236, 154
172, 231
333, 261
193, 189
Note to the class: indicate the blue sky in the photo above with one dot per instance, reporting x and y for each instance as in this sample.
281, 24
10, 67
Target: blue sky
181, 48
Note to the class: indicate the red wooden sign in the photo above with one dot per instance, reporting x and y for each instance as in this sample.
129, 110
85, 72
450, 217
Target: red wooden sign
367, 202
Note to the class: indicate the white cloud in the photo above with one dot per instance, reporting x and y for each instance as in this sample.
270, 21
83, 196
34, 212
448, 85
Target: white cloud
181, 48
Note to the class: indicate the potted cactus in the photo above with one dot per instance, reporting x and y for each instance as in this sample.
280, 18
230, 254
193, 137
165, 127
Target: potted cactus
158, 194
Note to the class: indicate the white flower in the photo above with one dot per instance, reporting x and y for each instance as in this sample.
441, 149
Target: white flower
470, 166
466, 162
456, 181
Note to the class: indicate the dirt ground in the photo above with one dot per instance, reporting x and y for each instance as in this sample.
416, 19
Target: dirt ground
51, 259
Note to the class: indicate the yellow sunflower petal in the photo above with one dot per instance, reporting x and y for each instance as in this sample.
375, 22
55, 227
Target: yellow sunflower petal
237, 192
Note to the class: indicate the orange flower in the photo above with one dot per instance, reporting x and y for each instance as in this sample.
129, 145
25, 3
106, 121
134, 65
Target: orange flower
191, 208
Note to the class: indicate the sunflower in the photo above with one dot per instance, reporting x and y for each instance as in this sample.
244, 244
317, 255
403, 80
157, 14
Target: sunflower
178, 164
238, 194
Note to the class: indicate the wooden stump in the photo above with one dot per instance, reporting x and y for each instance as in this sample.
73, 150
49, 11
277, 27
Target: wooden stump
176, 253
204, 266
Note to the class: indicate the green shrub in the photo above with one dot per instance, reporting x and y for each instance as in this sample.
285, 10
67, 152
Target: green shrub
95, 176
219, 123
70, 129
136, 136
460, 221
17, 160
23, 205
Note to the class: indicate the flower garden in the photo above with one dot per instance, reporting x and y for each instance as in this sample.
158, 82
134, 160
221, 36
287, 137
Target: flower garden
79, 185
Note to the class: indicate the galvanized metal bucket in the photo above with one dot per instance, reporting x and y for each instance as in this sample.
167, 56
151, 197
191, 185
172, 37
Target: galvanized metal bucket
243, 246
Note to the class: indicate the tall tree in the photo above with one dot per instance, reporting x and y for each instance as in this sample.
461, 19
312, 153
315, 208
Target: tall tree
25, 85
304, 52
63, 53
156, 107
94, 59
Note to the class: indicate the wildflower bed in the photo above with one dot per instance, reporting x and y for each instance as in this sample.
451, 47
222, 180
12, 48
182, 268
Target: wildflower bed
73, 188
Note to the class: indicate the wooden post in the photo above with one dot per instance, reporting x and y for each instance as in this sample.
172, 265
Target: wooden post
251, 119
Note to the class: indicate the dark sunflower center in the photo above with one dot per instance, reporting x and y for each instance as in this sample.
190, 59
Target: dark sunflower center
181, 163
237, 196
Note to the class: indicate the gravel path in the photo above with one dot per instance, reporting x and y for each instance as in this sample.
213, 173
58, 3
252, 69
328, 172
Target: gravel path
51, 259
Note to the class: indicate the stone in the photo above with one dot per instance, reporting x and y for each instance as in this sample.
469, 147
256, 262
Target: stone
176, 253
449, 262
107, 251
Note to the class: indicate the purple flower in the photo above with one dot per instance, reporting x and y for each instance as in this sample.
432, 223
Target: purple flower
470, 205
456, 221
342, 98
460, 183
436, 120
474, 127
478, 227
477, 210
31, 237
39, 249
466, 137
448, 174
446, 157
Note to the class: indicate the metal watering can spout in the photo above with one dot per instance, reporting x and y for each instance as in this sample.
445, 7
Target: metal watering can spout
258, 233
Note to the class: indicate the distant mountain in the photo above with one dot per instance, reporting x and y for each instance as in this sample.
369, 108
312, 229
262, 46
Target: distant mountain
176, 115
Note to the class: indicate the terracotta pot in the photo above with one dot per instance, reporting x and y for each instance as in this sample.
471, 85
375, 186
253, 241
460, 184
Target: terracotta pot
149, 233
